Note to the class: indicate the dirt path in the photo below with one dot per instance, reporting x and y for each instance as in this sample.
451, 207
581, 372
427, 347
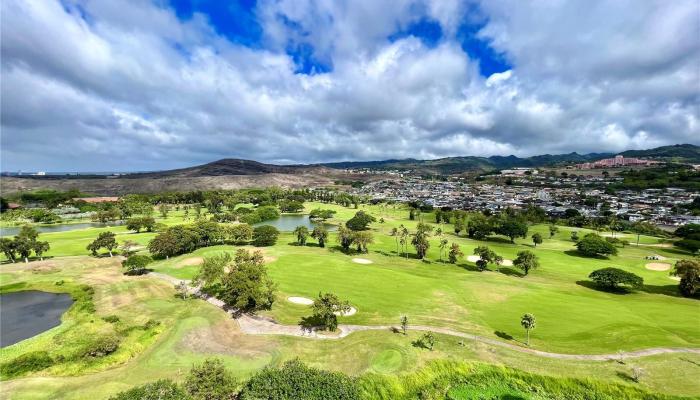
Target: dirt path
257, 325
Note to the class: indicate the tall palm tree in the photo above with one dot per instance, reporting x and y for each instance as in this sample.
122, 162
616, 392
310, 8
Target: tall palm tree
443, 246
528, 322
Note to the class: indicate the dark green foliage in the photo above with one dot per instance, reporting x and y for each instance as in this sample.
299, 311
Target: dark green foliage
28, 362
138, 223
268, 213
594, 245
210, 381
247, 286
163, 389
612, 278
321, 234
112, 319
526, 261
319, 214
104, 240
291, 206
212, 269
136, 264
265, 235
511, 227
99, 347
360, 221
295, 381
689, 272
325, 308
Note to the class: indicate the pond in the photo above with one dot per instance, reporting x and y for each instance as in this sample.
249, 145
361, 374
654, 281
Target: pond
28, 313
287, 223
13, 230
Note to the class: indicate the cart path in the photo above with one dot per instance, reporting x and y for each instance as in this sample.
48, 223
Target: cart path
258, 325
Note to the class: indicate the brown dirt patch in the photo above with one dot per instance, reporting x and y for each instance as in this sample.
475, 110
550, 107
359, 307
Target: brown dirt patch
658, 266
226, 338
190, 261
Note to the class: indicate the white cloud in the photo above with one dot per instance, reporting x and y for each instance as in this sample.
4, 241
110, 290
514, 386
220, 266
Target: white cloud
133, 82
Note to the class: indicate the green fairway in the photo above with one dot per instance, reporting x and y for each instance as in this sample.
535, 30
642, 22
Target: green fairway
572, 317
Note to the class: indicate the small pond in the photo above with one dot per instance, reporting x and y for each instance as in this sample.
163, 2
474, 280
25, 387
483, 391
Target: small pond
28, 313
288, 222
13, 230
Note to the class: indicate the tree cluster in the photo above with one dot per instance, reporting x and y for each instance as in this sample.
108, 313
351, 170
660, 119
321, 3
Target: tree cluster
23, 244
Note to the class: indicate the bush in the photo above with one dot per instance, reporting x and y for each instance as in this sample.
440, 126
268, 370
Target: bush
297, 381
594, 245
160, 390
28, 362
111, 319
611, 278
100, 347
265, 235
136, 264
210, 381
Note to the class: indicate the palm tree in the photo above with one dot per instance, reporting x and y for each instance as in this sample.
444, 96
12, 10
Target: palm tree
528, 322
321, 234
395, 234
443, 246
302, 233
404, 240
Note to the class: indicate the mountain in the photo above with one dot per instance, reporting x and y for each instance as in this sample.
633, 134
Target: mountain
232, 166
683, 153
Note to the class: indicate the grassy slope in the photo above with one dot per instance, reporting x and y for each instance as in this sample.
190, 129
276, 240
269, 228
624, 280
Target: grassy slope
571, 317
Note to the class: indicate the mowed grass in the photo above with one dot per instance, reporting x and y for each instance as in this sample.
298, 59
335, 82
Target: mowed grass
571, 317
193, 330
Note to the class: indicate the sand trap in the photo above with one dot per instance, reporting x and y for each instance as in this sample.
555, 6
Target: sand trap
473, 258
361, 261
348, 313
507, 263
300, 300
190, 261
658, 266
675, 278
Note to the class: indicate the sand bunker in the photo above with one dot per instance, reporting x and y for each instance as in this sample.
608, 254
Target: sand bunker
507, 263
472, 258
351, 311
361, 261
300, 300
675, 278
658, 266
190, 261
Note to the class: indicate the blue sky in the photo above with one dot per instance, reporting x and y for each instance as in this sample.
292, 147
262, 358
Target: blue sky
139, 85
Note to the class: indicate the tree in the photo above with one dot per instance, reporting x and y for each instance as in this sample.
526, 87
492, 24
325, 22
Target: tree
321, 215
528, 322
486, 257
345, 237
536, 239
301, 233
40, 248
455, 253
428, 340
512, 228
247, 286
138, 223
265, 235
321, 234
574, 236
240, 233
26, 241
594, 245
612, 278
361, 239
526, 260
182, 289
159, 390
212, 270
136, 264
479, 227
443, 246
163, 208
325, 309
291, 206
403, 240
9, 248
459, 226
420, 240
127, 247
404, 324
165, 244
689, 272
104, 239
395, 234
553, 229
360, 221
210, 381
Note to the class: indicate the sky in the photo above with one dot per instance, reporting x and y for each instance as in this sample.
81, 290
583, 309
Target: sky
129, 85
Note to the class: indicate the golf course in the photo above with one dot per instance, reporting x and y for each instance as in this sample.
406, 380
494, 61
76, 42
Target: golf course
582, 332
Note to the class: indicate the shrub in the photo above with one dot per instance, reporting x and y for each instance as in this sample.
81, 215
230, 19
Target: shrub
160, 390
151, 323
100, 347
210, 381
111, 319
265, 235
28, 362
297, 381
594, 245
136, 264
611, 278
